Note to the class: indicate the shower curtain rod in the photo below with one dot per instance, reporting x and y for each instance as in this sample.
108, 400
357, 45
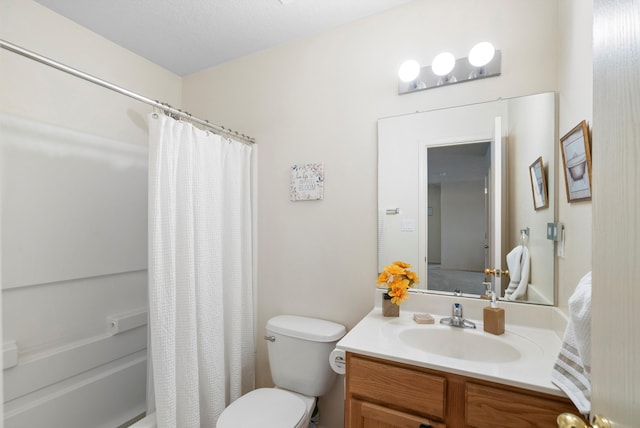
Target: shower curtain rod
163, 106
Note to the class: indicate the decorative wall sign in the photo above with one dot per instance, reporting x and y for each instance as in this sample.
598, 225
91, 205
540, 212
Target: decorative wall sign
307, 182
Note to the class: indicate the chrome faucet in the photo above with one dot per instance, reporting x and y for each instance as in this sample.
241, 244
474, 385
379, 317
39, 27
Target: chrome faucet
456, 319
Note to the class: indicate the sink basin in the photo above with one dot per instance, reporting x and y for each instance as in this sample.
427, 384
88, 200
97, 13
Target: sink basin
467, 344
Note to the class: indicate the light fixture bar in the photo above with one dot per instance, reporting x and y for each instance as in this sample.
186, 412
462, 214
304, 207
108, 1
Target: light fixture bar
462, 72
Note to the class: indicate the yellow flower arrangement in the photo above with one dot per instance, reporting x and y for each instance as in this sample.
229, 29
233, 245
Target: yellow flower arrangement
398, 279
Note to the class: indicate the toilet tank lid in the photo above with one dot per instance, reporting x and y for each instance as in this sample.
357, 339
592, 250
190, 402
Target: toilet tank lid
306, 328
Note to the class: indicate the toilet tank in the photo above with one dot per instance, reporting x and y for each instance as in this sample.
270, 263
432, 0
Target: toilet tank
299, 353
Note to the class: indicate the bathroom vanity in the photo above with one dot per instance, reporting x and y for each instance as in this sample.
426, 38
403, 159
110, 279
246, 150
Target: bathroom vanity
401, 374
384, 393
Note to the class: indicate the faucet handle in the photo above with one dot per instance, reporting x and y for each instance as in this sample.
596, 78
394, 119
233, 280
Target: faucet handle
456, 310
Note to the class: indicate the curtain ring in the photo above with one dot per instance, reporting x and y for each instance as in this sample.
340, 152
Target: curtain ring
154, 115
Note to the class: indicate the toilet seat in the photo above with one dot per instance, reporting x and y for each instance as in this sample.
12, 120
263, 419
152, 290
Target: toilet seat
266, 408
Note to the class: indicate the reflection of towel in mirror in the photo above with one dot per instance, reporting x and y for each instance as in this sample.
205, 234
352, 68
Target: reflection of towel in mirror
518, 262
572, 371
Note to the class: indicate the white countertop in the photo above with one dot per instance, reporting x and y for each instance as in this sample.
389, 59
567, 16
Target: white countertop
377, 336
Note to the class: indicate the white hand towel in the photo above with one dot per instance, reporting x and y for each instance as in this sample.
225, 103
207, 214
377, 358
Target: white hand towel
572, 371
518, 263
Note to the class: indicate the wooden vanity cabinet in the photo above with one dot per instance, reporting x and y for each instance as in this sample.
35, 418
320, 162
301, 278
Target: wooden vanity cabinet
386, 394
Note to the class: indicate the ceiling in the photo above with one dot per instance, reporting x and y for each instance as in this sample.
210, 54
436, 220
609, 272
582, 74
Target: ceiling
186, 36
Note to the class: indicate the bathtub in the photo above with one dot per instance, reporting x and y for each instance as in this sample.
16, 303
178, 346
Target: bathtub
147, 422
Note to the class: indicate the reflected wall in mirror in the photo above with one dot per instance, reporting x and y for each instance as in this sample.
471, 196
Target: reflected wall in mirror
454, 194
458, 208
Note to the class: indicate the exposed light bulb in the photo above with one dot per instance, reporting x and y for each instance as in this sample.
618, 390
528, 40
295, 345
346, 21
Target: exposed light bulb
443, 63
481, 54
409, 71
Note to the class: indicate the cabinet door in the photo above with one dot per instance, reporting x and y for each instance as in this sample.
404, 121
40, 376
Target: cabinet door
488, 407
369, 415
398, 386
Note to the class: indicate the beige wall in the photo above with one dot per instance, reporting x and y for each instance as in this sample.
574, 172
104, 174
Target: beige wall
575, 86
318, 100
434, 224
525, 136
463, 225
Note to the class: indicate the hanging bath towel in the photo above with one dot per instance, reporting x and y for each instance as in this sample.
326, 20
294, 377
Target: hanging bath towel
518, 262
572, 371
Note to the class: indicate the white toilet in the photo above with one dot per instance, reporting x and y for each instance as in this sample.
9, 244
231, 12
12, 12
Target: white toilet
299, 349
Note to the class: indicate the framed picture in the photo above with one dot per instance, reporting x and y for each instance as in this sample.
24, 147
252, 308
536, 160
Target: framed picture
307, 182
538, 185
576, 161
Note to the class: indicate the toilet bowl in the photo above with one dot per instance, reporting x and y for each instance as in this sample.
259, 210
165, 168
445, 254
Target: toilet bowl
298, 349
268, 408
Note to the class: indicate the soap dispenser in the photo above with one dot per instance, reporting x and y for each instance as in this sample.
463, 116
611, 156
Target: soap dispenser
493, 317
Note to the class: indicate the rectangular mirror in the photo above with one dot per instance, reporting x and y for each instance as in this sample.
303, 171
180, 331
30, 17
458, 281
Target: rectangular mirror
455, 197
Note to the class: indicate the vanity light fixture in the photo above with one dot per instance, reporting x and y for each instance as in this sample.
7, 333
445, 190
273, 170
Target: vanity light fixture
443, 63
481, 54
483, 61
409, 70
442, 66
408, 73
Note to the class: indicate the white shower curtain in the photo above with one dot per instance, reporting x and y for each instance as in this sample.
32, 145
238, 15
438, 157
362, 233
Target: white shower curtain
200, 273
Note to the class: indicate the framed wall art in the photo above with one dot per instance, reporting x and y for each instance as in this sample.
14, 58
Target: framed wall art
307, 182
576, 162
538, 185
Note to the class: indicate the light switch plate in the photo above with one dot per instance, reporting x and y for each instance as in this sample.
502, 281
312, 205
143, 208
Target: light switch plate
407, 225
